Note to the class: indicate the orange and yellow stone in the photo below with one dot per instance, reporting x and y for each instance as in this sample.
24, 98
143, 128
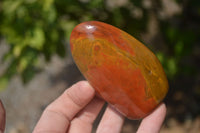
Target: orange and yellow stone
121, 69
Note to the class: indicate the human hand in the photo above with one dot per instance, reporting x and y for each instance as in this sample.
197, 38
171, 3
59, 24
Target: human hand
77, 108
2, 118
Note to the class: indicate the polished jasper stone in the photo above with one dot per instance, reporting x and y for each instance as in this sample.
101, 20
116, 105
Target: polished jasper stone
121, 69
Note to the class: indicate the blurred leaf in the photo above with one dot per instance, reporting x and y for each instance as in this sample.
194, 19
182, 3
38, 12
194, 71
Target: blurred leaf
7, 56
50, 15
96, 3
172, 34
17, 50
28, 74
179, 48
47, 4
10, 6
171, 67
3, 83
161, 57
37, 39
67, 26
26, 60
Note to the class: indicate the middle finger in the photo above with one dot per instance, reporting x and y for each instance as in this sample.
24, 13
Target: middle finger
83, 122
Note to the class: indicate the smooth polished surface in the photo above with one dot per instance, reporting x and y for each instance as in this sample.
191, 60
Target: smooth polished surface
122, 70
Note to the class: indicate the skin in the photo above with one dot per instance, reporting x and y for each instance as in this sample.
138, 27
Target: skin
76, 110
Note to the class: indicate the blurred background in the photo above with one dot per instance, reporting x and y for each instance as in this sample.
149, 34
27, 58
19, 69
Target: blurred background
36, 65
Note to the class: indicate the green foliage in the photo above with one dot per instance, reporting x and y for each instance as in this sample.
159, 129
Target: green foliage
35, 28
31, 29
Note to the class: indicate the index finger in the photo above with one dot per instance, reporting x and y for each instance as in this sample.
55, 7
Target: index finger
153, 122
57, 116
